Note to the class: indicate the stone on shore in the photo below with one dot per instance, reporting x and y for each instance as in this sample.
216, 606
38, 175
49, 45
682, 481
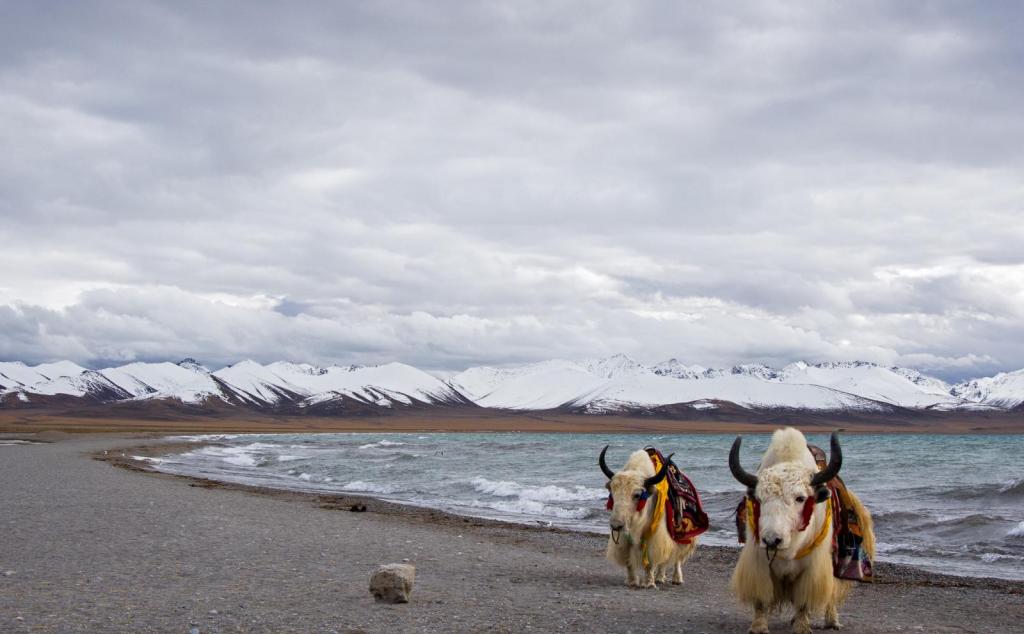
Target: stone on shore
392, 583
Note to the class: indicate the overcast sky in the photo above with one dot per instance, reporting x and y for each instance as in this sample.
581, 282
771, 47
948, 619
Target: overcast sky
455, 184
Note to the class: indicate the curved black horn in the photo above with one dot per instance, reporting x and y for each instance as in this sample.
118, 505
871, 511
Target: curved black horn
748, 479
835, 461
604, 466
660, 475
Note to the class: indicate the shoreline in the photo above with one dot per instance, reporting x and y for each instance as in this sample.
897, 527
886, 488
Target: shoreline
27, 421
110, 546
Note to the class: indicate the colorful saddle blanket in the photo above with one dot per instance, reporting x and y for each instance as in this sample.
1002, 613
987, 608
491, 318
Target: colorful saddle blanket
684, 513
849, 558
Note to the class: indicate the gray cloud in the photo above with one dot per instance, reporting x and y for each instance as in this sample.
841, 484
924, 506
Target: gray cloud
450, 184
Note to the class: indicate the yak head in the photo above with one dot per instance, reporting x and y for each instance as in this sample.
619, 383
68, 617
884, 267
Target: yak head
629, 491
786, 489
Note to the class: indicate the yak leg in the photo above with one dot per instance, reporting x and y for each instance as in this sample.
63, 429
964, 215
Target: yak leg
677, 575
640, 572
663, 573
802, 621
649, 580
631, 578
832, 617
644, 574
760, 623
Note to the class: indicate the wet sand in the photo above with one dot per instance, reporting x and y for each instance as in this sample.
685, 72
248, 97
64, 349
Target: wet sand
91, 547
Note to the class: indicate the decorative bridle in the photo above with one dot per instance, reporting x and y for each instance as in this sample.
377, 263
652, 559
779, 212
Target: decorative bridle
645, 494
655, 482
640, 504
819, 482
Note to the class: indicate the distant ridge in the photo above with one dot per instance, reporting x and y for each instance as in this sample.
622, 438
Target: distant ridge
616, 384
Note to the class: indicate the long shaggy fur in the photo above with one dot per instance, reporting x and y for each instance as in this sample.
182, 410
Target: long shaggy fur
807, 584
664, 554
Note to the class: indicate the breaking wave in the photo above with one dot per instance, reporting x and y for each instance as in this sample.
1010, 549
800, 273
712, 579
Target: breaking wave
368, 487
381, 443
532, 507
237, 456
1013, 487
546, 493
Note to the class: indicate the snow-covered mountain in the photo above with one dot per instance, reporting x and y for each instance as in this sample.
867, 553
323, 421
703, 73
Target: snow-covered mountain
620, 383
1002, 390
14, 374
246, 383
613, 384
678, 369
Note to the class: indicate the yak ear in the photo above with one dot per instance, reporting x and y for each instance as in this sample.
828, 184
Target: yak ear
821, 494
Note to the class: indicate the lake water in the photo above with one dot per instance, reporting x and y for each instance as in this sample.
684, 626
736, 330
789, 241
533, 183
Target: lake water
952, 504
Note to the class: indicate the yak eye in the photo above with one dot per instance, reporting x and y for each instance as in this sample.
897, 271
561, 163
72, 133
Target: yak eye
800, 499
636, 496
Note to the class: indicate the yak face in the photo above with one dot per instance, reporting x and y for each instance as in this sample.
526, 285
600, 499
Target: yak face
630, 488
783, 492
787, 488
629, 515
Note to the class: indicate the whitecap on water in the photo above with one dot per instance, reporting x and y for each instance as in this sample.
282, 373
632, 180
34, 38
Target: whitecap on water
149, 459
367, 487
531, 507
1013, 487
546, 493
381, 443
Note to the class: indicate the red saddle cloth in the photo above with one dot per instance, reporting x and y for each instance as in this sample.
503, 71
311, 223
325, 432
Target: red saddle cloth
684, 513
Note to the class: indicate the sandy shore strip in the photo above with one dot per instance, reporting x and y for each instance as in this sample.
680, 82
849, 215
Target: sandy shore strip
90, 547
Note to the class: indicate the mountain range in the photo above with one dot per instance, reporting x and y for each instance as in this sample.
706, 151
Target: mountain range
615, 384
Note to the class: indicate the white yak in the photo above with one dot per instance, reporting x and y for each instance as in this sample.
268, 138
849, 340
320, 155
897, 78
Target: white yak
789, 559
639, 538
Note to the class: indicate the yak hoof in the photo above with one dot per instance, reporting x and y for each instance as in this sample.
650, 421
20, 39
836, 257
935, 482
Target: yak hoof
758, 628
834, 626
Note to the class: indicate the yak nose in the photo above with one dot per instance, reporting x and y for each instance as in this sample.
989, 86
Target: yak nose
771, 542
616, 525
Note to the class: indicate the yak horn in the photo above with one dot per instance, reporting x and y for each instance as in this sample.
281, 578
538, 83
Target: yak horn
660, 475
742, 476
604, 466
835, 461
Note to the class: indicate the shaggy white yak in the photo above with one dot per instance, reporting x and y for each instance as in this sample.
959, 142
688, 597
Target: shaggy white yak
632, 535
783, 564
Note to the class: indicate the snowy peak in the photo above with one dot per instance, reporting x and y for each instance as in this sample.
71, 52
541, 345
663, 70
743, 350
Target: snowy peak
676, 369
284, 367
15, 374
191, 364
615, 366
872, 381
186, 380
1005, 389
757, 370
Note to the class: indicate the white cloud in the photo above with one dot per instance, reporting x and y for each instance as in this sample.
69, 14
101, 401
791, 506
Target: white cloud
491, 183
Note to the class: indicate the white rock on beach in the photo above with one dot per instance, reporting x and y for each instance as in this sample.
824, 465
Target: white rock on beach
392, 583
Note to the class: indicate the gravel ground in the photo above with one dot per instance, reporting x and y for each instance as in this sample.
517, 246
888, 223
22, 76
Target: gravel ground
89, 547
